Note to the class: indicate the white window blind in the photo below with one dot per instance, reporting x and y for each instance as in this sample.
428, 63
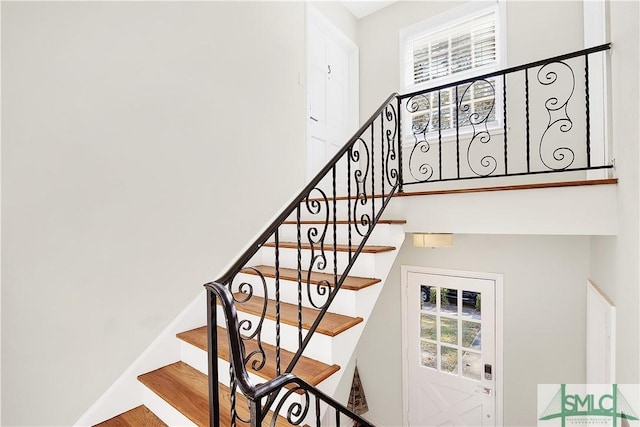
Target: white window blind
451, 51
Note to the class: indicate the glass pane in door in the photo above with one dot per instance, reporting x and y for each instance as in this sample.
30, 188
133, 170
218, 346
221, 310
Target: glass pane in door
428, 354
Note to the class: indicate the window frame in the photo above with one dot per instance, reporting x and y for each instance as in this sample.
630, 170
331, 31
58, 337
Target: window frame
440, 23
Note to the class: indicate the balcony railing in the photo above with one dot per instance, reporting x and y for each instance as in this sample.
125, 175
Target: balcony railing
531, 119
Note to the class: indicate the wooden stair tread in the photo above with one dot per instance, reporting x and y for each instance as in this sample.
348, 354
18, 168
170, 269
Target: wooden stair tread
139, 416
345, 222
332, 324
368, 249
187, 390
310, 370
183, 387
351, 283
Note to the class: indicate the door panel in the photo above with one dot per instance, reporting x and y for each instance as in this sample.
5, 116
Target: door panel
451, 338
329, 93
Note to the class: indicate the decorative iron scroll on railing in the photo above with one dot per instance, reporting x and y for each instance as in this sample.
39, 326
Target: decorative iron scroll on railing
365, 173
531, 119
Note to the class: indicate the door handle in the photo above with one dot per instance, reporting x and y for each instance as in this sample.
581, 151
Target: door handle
313, 118
484, 390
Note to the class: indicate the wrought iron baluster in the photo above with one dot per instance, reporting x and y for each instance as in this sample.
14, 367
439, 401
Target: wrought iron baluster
317, 411
232, 395
586, 100
440, 133
457, 133
382, 152
299, 245
526, 96
400, 167
349, 154
373, 176
504, 120
335, 230
277, 284
337, 418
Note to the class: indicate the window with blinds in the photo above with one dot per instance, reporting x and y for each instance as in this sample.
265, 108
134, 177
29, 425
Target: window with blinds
455, 50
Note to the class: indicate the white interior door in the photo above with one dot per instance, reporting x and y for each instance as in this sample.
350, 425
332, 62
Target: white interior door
331, 98
451, 350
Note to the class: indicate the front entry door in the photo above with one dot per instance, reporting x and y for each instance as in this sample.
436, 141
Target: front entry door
450, 339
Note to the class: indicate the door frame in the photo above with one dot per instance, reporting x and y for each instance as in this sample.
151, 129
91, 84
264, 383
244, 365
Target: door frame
349, 46
498, 279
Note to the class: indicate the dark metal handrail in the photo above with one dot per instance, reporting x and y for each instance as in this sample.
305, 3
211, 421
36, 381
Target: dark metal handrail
477, 114
372, 171
510, 70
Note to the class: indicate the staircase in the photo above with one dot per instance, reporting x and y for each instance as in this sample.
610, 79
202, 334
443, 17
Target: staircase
285, 319
276, 318
178, 394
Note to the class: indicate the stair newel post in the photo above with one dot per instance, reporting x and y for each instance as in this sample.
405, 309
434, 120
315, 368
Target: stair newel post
214, 398
254, 412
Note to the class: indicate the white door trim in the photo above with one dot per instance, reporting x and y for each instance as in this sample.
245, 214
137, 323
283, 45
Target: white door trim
499, 360
313, 15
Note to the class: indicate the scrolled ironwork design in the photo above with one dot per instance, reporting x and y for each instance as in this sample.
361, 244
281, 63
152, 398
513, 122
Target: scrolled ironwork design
296, 411
360, 155
481, 137
419, 165
556, 106
317, 203
249, 329
391, 134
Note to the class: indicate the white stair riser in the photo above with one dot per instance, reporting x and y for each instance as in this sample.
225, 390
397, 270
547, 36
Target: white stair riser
198, 359
319, 348
167, 413
343, 303
364, 267
381, 235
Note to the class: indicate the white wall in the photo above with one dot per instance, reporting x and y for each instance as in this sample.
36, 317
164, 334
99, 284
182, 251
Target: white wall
614, 265
143, 145
544, 311
339, 16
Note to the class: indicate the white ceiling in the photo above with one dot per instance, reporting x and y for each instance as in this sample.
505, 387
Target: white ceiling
362, 8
